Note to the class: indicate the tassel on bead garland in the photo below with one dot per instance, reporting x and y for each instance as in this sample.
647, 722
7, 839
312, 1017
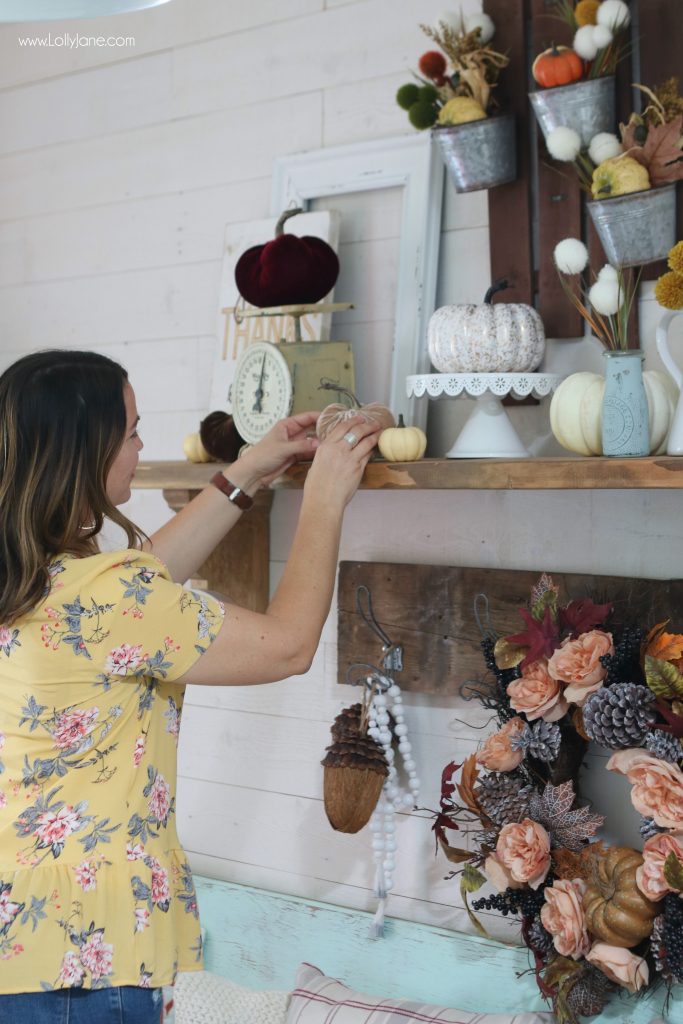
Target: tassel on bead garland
393, 797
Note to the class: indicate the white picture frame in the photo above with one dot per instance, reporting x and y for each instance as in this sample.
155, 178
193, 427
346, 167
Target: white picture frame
409, 162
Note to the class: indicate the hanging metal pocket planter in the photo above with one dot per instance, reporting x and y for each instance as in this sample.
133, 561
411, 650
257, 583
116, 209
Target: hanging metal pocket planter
479, 154
588, 107
636, 228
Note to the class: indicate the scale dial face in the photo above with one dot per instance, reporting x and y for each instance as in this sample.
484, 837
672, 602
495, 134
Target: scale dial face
261, 390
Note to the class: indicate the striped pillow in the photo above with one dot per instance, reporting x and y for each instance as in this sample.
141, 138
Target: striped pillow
318, 999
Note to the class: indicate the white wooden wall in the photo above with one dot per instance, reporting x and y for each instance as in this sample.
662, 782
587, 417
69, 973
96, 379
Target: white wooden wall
119, 169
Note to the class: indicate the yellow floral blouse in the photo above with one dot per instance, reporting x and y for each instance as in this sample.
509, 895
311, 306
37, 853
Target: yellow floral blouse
94, 887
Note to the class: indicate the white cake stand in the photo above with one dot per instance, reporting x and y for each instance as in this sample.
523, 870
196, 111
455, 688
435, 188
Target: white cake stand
488, 432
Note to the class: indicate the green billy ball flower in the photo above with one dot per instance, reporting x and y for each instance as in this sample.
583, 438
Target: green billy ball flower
428, 93
423, 114
407, 95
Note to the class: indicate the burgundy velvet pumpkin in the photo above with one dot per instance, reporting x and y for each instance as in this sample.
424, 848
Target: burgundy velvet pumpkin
287, 271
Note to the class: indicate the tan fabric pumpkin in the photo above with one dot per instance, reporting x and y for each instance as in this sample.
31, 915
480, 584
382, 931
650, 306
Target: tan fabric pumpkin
616, 910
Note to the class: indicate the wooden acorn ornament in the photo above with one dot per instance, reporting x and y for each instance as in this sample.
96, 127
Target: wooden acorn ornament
355, 770
288, 270
337, 412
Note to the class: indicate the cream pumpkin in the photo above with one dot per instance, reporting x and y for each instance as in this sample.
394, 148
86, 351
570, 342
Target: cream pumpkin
505, 338
402, 443
576, 411
194, 450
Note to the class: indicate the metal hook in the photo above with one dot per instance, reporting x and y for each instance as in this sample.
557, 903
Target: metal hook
484, 620
374, 679
393, 653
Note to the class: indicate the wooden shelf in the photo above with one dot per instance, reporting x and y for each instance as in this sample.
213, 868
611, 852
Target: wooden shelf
456, 474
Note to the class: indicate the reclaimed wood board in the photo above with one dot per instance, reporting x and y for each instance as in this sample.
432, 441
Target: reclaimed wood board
429, 610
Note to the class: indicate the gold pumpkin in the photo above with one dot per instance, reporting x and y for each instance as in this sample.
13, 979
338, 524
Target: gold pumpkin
615, 908
194, 450
402, 443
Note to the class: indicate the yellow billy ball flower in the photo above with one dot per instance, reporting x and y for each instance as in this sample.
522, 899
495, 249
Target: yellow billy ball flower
669, 290
586, 12
675, 258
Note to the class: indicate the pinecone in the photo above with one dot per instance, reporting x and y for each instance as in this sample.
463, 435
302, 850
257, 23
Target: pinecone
666, 942
355, 770
588, 995
664, 746
503, 797
619, 716
648, 828
545, 741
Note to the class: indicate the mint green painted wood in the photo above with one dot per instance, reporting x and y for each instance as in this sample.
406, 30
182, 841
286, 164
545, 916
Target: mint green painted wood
258, 938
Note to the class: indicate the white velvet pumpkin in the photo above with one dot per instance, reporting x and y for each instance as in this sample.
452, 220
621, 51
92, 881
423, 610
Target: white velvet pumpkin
505, 338
576, 411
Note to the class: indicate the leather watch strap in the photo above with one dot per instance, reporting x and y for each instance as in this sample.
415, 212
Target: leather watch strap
232, 492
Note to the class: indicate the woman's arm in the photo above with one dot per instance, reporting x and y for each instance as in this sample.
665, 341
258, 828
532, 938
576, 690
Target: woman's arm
187, 539
254, 648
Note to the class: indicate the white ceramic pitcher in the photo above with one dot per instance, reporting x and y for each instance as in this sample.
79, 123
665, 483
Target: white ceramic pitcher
674, 444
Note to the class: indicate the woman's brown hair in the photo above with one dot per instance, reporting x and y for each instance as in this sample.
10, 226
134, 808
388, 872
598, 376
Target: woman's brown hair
62, 422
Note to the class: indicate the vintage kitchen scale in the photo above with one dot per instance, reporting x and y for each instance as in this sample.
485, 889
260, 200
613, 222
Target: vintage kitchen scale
274, 380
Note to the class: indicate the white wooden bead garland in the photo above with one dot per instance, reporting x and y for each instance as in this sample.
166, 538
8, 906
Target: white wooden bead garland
387, 704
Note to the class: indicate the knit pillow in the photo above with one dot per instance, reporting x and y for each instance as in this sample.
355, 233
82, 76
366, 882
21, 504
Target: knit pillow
318, 999
204, 998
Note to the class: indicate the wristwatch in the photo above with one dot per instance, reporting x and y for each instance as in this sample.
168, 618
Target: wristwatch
232, 492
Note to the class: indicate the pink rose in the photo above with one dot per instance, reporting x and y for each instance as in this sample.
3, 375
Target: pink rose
577, 663
657, 786
650, 875
524, 849
159, 802
562, 915
498, 754
97, 955
72, 728
498, 875
537, 694
620, 965
72, 971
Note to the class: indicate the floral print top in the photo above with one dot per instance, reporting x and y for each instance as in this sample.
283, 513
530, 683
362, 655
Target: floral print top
94, 887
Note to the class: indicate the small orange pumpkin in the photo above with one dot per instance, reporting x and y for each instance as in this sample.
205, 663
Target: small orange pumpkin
615, 908
337, 412
559, 65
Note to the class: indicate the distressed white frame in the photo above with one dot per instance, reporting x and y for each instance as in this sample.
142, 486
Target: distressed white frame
408, 162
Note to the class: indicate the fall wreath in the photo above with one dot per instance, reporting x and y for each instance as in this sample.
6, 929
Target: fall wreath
596, 918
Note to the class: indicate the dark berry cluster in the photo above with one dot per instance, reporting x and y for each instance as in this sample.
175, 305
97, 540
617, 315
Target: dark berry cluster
672, 938
624, 665
526, 902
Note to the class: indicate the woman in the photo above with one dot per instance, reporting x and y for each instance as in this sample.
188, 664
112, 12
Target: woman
97, 904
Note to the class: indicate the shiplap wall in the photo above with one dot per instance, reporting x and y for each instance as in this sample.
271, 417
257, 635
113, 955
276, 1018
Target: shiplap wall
118, 172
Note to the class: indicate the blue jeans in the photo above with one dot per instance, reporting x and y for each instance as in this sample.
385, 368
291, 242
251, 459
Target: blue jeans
123, 1005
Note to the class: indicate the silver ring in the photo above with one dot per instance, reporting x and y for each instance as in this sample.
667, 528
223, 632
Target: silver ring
351, 439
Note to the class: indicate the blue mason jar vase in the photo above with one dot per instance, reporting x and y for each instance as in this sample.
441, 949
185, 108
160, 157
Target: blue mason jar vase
625, 415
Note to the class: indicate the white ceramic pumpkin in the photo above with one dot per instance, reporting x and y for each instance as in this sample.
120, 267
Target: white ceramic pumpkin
194, 450
505, 338
576, 411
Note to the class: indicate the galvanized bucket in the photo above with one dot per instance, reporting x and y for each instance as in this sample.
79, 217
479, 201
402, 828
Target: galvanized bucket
639, 227
479, 154
587, 107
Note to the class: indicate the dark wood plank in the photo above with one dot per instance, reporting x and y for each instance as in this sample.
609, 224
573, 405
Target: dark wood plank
558, 197
429, 610
510, 216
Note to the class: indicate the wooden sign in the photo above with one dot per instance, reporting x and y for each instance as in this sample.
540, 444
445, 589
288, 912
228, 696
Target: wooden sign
429, 610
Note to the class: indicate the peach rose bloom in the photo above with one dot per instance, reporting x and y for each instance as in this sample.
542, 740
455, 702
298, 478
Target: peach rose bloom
536, 694
497, 754
620, 965
562, 915
524, 849
498, 875
657, 786
577, 663
650, 875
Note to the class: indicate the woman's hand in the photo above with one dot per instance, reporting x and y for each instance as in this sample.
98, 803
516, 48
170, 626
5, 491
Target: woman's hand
289, 441
341, 459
